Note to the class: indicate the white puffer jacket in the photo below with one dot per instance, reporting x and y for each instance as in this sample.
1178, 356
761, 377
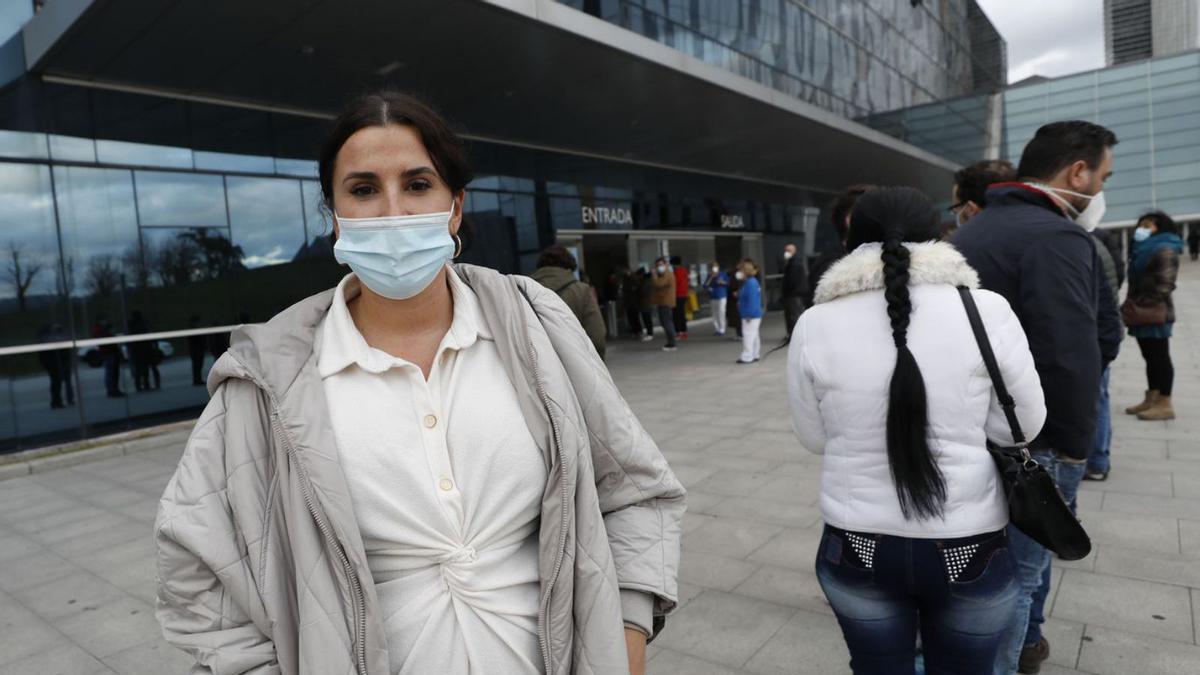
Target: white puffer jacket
840, 368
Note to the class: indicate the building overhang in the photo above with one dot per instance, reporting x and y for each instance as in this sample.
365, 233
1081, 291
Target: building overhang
527, 72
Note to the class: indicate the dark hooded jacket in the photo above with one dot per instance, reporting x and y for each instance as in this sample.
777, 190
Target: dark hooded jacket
1046, 266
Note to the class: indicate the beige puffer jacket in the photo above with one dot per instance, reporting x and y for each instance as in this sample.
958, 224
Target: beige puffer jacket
261, 568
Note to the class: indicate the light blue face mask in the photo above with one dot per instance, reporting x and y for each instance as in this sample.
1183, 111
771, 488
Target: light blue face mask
1141, 234
396, 256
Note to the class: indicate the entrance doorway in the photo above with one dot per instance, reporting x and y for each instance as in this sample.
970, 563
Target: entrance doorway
604, 256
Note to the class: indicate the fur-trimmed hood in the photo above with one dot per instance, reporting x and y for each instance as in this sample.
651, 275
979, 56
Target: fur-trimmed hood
933, 262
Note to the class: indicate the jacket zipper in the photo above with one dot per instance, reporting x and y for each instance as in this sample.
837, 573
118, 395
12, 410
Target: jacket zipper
359, 598
562, 539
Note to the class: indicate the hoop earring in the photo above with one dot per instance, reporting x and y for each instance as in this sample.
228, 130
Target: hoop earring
457, 246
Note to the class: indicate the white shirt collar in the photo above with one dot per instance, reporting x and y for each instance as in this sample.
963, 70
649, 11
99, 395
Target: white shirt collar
342, 345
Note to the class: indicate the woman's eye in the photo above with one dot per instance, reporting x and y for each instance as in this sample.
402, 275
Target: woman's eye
362, 190
420, 185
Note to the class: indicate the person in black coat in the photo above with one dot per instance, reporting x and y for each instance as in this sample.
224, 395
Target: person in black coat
795, 286
1032, 245
839, 216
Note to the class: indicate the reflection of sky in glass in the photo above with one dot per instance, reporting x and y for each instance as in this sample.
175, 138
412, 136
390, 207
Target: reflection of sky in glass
22, 144
72, 148
224, 161
266, 218
27, 222
96, 216
142, 154
316, 220
303, 168
188, 200
13, 15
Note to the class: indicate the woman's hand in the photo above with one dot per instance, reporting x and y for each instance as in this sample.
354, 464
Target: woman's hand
635, 642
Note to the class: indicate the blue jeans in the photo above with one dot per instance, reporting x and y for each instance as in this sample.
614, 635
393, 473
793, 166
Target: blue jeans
1033, 569
1099, 459
885, 590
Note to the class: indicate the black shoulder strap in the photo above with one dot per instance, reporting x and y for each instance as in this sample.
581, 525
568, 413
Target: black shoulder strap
993, 368
567, 285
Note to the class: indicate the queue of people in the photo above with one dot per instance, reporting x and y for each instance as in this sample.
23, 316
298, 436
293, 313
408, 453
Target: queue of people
555, 549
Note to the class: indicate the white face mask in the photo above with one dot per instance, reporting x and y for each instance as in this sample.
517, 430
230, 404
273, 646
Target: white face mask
1090, 217
396, 256
715, 270
741, 276
662, 269
787, 255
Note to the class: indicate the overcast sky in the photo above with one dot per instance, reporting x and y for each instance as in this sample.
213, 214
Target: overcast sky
1049, 37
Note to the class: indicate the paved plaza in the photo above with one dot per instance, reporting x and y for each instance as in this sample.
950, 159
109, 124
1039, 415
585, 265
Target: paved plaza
77, 568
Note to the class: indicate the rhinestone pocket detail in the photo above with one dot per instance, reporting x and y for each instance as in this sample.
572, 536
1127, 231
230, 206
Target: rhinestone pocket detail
864, 547
957, 559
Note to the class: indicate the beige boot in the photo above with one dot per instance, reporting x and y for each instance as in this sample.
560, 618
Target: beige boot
1146, 404
1160, 411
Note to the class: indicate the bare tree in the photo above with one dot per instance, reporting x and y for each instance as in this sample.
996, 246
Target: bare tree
103, 276
64, 282
178, 262
19, 273
140, 263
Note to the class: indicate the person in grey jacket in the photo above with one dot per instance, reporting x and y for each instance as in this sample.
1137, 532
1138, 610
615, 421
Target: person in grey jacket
352, 412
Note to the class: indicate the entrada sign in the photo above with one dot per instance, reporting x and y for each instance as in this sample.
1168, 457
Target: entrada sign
603, 215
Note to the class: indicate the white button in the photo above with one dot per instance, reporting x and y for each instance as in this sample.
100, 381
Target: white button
446, 484
430, 421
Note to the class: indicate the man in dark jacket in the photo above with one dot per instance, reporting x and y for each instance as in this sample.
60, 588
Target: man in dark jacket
1031, 245
839, 216
795, 287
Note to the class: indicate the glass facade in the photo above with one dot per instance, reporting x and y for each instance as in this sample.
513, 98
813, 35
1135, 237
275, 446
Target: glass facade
199, 216
1150, 105
857, 58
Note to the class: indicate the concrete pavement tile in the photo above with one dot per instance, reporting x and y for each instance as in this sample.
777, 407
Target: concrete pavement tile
699, 501
807, 643
101, 539
791, 548
1054, 669
1136, 532
670, 662
1088, 500
714, 571
33, 569
1179, 570
1152, 506
691, 521
1064, 638
1189, 537
803, 489
78, 593
22, 633
795, 588
1138, 481
46, 506
734, 483
77, 512
1107, 651
1147, 608
789, 514
1188, 451
1141, 448
690, 474
729, 536
687, 592
48, 536
150, 658
111, 627
719, 461
66, 459
1087, 564
114, 496
14, 470
15, 545
1186, 486
62, 660
724, 628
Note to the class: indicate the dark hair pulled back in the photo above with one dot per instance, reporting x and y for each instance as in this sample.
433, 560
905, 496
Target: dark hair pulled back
388, 106
892, 217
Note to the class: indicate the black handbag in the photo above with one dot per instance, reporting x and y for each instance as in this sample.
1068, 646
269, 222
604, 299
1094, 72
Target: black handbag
1035, 505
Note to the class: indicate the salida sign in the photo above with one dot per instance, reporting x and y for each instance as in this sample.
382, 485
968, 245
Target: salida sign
604, 215
732, 221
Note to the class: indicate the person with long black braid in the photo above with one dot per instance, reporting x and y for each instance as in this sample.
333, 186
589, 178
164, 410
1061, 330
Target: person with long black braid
886, 381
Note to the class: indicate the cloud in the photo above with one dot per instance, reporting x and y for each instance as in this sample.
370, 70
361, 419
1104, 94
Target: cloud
1049, 38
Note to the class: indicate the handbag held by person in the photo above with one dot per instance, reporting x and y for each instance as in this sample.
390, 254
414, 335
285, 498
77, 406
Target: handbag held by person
1035, 506
1134, 314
